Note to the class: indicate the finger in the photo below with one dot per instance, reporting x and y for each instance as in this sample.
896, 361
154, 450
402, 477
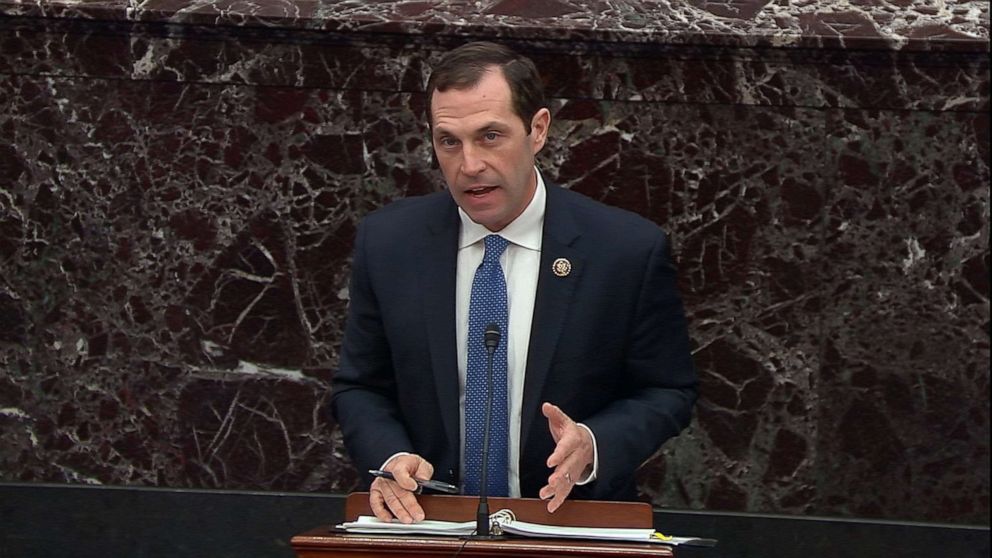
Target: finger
385, 503
572, 441
557, 501
564, 448
560, 481
575, 451
378, 505
562, 488
397, 507
401, 502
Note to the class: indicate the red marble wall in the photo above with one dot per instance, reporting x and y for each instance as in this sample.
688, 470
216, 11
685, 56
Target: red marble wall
179, 191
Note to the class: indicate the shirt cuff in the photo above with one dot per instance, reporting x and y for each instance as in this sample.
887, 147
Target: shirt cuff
399, 453
595, 457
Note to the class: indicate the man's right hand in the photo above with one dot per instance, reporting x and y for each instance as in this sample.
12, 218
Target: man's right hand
398, 498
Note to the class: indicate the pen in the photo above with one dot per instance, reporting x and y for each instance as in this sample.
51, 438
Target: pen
432, 484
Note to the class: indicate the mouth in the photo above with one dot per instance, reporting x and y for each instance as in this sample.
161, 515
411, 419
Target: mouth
479, 191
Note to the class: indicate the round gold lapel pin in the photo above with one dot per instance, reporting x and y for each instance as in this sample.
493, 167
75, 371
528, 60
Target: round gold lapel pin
561, 267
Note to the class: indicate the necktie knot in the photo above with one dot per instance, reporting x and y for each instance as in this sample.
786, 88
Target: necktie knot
495, 244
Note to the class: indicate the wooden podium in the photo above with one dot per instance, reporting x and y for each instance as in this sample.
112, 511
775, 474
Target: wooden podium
324, 542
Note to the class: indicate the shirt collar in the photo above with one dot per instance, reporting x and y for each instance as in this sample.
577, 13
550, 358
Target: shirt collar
523, 231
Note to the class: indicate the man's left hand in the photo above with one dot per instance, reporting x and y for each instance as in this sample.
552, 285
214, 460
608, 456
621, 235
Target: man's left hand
572, 459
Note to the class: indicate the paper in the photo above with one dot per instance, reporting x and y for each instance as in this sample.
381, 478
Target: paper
503, 521
599, 533
371, 525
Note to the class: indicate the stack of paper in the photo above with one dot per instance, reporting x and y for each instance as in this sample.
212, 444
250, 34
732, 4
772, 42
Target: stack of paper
504, 521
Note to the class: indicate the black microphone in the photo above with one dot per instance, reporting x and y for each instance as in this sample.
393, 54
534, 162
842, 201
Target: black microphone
491, 339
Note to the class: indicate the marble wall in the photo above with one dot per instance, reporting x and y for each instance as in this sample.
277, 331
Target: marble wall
180, 183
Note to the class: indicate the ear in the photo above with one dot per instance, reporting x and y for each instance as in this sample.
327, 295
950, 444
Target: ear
539, 126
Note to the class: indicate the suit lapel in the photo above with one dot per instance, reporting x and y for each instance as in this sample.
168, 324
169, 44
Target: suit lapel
555, 295
437, 272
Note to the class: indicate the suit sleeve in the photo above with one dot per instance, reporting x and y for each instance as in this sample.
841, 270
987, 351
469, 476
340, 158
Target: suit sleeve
364, 393
659, 377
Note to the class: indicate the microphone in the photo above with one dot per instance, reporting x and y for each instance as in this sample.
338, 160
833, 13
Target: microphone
491, 340
491, 337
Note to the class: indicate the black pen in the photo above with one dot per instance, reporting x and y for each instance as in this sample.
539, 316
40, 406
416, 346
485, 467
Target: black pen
432, 484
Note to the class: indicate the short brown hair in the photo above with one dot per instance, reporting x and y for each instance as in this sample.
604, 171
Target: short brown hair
463, 68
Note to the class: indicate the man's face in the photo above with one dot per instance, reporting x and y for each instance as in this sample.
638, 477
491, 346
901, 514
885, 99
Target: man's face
484, 151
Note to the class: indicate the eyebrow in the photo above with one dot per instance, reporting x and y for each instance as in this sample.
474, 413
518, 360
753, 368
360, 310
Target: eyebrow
492, 124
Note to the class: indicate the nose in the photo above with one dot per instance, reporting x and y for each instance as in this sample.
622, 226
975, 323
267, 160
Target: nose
472, 161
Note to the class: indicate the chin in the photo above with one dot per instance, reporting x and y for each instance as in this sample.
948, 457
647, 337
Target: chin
487, 221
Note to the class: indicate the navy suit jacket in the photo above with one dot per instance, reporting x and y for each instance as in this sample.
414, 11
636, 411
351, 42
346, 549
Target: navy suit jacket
608, 344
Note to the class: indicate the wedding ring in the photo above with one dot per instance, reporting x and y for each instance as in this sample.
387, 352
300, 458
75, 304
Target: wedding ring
568, 477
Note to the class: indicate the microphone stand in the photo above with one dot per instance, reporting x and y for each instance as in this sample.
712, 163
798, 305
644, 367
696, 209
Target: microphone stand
482, 514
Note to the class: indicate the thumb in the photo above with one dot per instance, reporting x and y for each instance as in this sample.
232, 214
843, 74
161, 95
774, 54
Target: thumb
557, 419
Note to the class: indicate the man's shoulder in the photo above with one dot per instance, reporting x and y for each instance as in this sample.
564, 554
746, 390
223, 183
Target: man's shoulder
406, 212
595, 216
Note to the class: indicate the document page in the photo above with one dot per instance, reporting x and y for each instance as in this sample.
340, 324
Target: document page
504, 521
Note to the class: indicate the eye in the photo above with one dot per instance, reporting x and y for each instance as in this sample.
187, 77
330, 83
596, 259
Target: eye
447, 141
491, 136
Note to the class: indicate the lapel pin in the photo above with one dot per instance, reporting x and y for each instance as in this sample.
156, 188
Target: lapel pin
562, 267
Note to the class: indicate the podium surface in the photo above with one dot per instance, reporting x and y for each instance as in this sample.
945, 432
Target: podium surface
324, 542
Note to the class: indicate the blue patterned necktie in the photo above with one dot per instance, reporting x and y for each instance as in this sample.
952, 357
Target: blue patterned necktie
487, 305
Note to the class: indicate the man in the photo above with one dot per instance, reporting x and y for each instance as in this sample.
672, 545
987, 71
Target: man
593, 334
